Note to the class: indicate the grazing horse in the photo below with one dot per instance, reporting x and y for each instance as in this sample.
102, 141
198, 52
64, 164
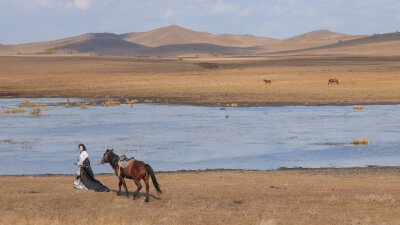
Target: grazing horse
136, 171
267, 81
333, 80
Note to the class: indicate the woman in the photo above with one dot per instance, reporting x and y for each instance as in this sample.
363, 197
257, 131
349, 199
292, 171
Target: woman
85, 179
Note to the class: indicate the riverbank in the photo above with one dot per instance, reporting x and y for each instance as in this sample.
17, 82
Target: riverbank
295, 80
301, 196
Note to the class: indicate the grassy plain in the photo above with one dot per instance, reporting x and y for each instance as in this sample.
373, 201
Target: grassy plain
296, 80
303, 196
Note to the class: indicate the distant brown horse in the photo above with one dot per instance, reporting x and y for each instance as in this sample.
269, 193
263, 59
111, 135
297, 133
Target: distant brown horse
333, 80
267, 81
136, 171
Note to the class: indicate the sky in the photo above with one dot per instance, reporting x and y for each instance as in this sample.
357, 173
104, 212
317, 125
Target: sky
24, 21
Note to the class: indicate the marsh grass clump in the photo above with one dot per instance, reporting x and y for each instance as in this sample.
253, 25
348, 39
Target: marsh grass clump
234, 105
357, 107
66, 105
13, 111
110, 102
36, 111
361, 141
83, 106
364, 141
91, 102
131, 102
27, 104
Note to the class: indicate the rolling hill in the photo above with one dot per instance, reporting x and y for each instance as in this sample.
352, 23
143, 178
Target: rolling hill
178, 41
379, 43
106, 44
172, 40
178, 35
193, 49
6, 49
319, 35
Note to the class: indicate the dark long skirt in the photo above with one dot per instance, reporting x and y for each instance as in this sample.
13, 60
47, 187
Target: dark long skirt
87, 178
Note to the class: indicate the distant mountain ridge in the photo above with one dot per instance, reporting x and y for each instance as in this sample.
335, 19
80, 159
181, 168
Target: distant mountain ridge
177, 41
171, 40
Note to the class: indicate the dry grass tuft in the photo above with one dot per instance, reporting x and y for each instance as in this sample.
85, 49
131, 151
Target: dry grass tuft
67, 105
208, 65
131, 102
83, 106
357, 107
110, 102
91, 102
376, 198
362, 141
14, 111
27, 104
36, 111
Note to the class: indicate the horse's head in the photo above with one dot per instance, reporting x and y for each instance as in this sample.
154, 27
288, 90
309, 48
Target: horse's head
105, 156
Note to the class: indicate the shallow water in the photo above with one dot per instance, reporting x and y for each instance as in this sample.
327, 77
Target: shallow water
175, 137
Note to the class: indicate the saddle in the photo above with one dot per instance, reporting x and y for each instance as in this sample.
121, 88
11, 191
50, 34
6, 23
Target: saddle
124, 162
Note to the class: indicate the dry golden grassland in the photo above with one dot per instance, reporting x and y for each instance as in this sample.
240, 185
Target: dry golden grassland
320, 196
294, 79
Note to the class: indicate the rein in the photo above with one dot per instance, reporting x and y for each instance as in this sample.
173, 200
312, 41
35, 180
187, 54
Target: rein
87, 166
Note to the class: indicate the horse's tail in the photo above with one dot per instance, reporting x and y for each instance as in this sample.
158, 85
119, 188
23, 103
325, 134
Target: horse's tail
150, 171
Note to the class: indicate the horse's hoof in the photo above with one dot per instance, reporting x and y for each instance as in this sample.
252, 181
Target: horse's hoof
147, 200
118, 193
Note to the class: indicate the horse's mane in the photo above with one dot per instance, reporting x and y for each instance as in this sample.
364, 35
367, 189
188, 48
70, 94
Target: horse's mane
113, 159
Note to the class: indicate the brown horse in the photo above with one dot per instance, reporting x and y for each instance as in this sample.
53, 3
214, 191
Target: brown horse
267, 81
333, 80
136, 171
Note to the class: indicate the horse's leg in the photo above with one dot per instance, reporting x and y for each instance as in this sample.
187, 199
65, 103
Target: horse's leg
146, 182
126, 189
139, 186
119, 187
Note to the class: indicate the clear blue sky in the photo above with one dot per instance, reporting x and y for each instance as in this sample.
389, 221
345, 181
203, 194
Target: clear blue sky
24, 21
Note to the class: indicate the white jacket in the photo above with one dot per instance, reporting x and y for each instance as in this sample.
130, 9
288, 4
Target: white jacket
84, 155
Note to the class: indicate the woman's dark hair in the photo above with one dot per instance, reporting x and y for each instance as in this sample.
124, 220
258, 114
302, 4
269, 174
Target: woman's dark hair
84, 148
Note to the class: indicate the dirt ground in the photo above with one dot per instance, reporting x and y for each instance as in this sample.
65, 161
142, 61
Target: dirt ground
206, 81
301, 196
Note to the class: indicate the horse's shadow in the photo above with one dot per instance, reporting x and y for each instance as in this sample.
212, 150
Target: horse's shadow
130, 193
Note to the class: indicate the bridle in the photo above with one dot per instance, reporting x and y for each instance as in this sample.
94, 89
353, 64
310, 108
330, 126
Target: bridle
106, 155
